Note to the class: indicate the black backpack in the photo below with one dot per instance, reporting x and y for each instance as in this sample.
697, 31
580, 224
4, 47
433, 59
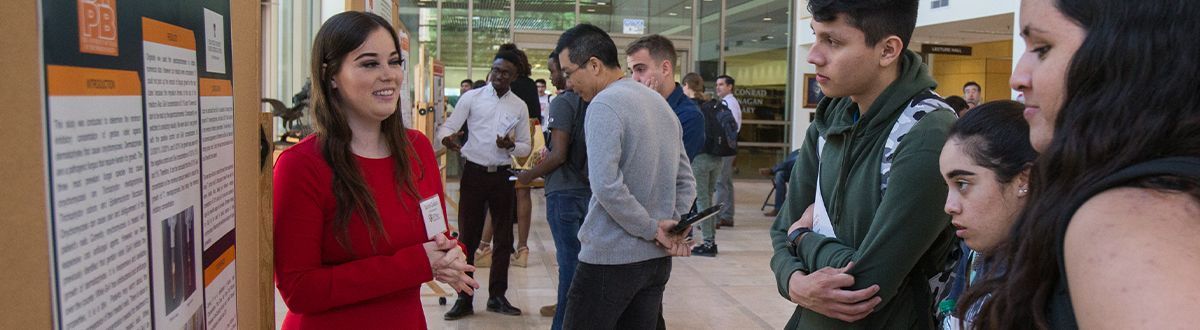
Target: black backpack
720, 129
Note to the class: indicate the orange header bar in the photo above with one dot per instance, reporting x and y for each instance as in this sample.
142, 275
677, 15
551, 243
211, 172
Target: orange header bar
215, 87
78, 81
219, 265
167, 34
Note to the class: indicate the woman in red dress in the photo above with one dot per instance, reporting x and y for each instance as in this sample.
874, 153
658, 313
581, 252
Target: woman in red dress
351, 249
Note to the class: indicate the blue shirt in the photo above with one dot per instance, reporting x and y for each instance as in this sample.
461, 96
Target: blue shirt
690, 119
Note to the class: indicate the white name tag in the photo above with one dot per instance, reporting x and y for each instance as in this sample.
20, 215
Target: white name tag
435, 221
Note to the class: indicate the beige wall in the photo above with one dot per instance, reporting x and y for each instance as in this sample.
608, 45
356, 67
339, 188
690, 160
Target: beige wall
990, 65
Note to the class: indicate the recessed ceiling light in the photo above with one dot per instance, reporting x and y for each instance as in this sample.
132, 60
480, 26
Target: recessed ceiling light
672, 14
591, 10
687, 7
600, 3
476, 17
766, 19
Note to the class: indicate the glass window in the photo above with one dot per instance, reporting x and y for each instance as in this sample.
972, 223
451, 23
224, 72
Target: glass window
490, 22
545, 15
671, 18
756, 56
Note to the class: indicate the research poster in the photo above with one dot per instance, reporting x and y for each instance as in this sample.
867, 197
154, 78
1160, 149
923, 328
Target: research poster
139, 149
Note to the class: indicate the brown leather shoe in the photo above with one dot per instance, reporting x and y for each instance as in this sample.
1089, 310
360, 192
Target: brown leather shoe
548, 310
771, 213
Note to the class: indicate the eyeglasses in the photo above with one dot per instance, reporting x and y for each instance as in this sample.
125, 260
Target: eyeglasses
566, 73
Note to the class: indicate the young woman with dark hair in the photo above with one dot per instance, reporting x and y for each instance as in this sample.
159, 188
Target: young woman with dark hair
351, 249
985, 162
1108, 237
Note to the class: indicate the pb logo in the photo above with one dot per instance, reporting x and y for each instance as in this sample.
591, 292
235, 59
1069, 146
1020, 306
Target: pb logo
98, 27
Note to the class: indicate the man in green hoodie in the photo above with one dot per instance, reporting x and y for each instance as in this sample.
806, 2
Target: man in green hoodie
860, 250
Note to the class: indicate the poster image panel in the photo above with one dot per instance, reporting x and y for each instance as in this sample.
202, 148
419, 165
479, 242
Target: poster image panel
97, 197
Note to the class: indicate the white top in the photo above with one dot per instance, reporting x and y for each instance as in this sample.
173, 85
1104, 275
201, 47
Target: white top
488, 116
734, 106
545, 101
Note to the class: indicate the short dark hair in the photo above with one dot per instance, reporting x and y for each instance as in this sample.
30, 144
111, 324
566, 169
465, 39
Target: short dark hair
660, 48
972, 83
466, 81
957, 103
998, 137
540, 81
586, 41
478, 83
878, 19
728, 79
509, 52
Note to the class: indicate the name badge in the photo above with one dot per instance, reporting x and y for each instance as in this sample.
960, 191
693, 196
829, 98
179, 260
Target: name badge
435, 221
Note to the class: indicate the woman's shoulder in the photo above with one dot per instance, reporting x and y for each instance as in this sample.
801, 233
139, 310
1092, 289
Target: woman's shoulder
1133, 219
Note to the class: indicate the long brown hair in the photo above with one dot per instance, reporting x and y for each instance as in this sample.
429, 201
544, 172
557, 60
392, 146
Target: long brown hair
339, 36
694, 82
1130, 97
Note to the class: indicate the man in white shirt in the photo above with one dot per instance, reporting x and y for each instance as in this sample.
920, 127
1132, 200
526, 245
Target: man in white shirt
725, 86
499, 130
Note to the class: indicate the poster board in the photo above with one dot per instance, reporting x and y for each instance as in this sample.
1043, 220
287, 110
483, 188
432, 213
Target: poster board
90, 96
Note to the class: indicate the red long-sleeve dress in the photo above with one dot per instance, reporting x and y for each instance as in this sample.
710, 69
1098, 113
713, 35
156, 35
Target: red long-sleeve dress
325, 287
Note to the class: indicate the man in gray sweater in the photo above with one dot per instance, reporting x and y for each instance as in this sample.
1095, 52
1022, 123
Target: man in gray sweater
641, 184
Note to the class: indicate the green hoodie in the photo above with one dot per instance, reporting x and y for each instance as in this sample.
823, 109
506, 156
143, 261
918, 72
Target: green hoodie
897, 239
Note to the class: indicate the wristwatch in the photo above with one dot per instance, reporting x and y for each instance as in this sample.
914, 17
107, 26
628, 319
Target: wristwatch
794, 237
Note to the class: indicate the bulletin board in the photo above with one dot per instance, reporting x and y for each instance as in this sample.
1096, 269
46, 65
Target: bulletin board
137, 165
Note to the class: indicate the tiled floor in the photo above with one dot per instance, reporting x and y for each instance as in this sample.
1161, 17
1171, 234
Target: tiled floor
735, 290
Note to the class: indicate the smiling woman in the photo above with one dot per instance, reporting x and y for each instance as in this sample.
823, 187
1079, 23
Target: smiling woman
348, 199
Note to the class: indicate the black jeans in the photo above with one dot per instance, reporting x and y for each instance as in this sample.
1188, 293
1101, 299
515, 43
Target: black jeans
625, 296
482, 191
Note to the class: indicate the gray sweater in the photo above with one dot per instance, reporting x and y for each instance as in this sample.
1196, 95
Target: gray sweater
639, 174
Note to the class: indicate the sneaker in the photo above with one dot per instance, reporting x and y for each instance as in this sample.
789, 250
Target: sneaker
521, 258
708, 249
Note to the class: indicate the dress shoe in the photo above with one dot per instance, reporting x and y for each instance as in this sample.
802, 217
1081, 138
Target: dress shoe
462, 308
501, 305
771, 213
548, 310
521, 258
725, 223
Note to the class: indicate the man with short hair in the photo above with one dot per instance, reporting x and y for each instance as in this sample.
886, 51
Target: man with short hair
866, 189
972, 93
498, 128
725, 86
567, 190
641, 184
651, 61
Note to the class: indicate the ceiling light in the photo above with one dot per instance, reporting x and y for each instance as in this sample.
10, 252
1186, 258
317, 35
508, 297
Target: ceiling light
687, 7
766, 19
672, 14
591, 10
600, 3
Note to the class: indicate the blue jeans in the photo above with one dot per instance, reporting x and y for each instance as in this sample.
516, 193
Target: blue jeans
564, 211
781, 179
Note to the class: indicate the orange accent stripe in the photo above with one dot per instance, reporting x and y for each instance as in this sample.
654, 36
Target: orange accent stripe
219, 265
215, 87
79, 81
167, 34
